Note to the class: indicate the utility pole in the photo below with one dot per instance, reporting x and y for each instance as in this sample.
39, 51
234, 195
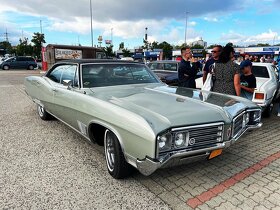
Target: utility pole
91, 23
41, 26
6, 35
186, 28
111, 36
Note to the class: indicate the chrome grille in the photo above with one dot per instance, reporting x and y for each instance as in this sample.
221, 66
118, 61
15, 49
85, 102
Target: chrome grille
202, 136
239, 125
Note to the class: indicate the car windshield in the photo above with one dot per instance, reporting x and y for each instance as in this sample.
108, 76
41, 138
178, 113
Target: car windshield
99, 75
169, 66
260, 71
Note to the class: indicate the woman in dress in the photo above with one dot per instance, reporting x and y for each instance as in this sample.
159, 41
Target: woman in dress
226, 73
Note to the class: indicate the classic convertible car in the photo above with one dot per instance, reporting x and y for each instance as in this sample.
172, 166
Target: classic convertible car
141, 121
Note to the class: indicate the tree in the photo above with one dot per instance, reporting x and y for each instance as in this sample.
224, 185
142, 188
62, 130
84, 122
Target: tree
7, 47
108, 50
167, 49
121, 46
259, 45
23, 48
211, 46
38, 39
197, 46
154, 45
147, 44
126, 52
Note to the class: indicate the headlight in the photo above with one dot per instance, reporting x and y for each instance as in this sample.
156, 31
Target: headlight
255, 117
164, 142
181, 139
245, 120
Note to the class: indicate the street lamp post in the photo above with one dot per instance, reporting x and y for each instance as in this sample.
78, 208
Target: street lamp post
111, 36
186, 28
91, 23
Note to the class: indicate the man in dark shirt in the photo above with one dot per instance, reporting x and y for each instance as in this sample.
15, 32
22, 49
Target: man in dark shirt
186, 72
216, 51
247, 80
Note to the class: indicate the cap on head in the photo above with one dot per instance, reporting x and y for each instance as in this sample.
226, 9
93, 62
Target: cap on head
245, 63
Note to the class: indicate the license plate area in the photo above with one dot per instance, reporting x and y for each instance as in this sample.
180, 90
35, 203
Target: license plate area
215, 153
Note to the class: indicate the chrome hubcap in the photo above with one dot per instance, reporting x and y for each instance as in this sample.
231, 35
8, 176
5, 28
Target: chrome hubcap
41, 110
110, 152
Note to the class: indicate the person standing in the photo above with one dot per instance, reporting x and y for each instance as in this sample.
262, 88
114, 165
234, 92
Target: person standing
226, 72
186, 71
247, 80
216, 51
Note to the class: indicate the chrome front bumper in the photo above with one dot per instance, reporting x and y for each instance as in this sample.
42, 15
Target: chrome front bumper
147, 166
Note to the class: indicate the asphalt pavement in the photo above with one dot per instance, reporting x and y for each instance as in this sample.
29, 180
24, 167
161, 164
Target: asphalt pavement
46, 165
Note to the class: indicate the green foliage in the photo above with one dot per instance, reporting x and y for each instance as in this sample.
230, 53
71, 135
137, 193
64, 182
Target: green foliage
126, 53
197, 46
121, 46
7, 46
108, 50
38, 39
23, 48
167, 50
259, 45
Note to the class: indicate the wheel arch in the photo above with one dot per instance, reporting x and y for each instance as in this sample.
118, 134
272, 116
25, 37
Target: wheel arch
96, 132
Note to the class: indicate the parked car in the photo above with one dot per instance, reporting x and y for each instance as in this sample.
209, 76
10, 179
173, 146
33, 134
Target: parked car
141, 122
167, 71
19, 62
267, 89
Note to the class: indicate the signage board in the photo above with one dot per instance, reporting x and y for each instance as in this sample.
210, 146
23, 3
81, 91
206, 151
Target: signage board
68, 54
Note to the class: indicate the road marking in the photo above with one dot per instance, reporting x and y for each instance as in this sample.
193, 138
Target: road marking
216, 190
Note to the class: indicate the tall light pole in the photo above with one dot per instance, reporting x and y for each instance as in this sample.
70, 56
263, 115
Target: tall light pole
91, 23
186, 28
111, 36
41, 26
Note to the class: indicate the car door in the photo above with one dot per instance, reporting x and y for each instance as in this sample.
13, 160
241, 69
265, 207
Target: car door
63, 95
19, 63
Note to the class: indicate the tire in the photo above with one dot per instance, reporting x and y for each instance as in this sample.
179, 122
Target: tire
30, 67
43, 114
115, 160
267, 111
6, 67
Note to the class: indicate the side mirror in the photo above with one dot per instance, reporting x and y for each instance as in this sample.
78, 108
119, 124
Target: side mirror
67, 83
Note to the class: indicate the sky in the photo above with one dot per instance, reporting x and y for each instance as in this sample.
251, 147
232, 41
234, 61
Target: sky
242, 22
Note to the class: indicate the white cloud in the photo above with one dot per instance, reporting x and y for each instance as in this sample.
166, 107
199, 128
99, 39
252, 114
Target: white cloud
263, 37
192, 23
241, 39
211, 19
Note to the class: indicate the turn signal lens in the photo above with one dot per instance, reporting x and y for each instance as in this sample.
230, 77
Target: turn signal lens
259, 96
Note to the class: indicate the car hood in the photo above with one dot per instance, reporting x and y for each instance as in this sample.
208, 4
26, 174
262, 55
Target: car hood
163, 106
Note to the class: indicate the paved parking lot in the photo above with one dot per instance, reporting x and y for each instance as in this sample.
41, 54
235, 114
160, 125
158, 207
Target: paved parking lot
45, 165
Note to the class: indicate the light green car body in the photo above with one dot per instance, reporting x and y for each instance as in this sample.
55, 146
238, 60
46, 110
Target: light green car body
138, 113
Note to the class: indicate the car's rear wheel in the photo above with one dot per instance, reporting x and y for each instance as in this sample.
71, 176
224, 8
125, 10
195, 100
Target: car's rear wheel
30, 67
43, 114
115, 160
6, 67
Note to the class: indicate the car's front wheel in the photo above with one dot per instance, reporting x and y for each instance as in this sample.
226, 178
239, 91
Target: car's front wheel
115, 160
6, 67
43, 114
30, 67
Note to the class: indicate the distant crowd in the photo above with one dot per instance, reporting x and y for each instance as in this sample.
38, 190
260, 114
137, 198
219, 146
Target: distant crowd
229, 75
